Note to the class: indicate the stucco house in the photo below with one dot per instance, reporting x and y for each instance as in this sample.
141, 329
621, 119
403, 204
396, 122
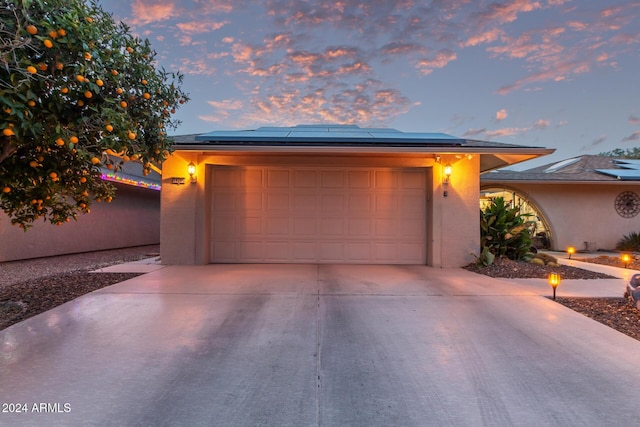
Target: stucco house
588, 202
326, 194
131, 219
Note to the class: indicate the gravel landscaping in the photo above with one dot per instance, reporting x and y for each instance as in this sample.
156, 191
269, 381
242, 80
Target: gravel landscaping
30, 287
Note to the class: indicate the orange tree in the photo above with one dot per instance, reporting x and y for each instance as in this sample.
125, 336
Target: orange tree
78, 92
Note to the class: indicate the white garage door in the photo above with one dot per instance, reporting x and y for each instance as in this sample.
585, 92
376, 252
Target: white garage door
318, 215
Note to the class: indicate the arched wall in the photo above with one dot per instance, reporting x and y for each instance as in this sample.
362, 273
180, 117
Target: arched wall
531, 201
581, 213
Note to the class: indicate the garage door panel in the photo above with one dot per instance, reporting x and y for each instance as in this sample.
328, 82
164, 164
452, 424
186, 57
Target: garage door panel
305, 179
332, 179
325, 215
359, 179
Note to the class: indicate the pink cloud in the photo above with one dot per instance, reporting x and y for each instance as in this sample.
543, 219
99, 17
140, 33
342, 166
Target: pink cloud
634, 120
148, 11
542, 124
426, 66
200, 27
501, 114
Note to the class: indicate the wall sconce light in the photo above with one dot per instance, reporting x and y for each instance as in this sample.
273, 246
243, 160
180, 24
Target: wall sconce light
571, 250
447, 173
554, 282
191, 169
626, 259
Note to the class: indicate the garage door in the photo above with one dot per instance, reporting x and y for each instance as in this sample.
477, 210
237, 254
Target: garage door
318, 215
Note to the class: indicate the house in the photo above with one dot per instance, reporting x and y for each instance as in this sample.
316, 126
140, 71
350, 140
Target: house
131, 219
326, 194
587, 202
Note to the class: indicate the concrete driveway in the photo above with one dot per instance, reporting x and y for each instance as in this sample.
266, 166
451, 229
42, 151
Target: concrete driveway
309, 345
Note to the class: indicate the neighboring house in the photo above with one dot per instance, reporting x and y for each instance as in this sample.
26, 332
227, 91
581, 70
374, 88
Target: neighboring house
326, 194
131, 219
588, 202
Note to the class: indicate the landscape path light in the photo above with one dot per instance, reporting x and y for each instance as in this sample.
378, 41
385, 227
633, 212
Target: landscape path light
626, 259
554, 282
571, 250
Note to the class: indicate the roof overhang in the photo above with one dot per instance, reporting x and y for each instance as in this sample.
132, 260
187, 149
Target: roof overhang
353, 140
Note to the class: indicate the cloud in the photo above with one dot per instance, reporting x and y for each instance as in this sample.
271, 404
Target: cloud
148, 11
200, 27
635, 136
634, 120
595, 143
442, 58
542, 124
501, 114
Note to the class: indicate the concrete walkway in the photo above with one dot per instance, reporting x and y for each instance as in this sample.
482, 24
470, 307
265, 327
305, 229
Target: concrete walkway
309, 345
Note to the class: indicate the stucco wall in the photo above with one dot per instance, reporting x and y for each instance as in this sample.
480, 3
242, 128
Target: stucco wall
454, 221
579, 213
131, 219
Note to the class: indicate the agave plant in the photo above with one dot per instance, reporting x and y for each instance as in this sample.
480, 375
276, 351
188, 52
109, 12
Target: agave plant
629, 243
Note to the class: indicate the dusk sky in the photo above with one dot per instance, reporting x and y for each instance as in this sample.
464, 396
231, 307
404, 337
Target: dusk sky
561, 74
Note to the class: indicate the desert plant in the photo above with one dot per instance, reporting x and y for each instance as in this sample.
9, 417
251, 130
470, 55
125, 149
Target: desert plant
504, 231
629, 243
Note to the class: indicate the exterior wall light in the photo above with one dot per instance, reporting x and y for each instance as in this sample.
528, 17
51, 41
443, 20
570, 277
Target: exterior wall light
447, 173
571, 250
554, 282
626, 259
191, 169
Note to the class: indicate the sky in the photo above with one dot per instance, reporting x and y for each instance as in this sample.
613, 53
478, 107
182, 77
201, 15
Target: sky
560, 74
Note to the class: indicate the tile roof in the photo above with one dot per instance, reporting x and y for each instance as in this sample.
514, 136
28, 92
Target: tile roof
587, 168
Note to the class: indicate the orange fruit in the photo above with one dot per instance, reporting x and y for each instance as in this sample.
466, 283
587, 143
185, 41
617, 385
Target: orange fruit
85, 193
64, 90
144, 82
129, 49
181, 101
48, 43
99, 82
59, 65
31, 103
7, 132
123, 104
146, 95
109, 128
80, 78
6, 190
42, 66
60, 142
88, 94
119, 91
80, 103
131, 135
83, 179
114, 72
33, 164
32, 69
53, 175
74, 139
95, 161
62, 32
87, 56
31, 29
89, 19
53, 34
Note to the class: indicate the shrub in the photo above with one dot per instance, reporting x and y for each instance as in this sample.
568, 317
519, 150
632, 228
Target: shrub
630, 243
504, 231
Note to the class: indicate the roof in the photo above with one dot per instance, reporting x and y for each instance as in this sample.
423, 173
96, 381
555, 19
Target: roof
342, 135
352, 139
581, 169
